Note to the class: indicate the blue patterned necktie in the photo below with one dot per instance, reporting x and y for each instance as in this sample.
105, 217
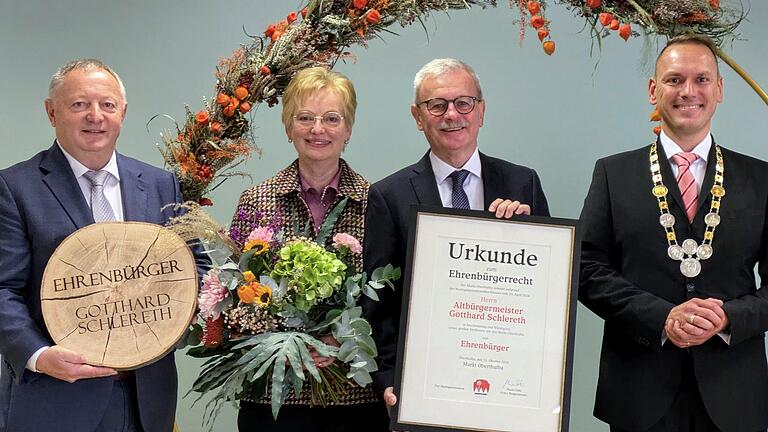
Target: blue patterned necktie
459, 198
100, 207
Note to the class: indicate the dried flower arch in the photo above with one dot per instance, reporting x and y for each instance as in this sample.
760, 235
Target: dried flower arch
213, 141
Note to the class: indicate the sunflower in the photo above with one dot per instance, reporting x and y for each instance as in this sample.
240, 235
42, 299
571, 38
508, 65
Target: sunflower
263, 294
260, 245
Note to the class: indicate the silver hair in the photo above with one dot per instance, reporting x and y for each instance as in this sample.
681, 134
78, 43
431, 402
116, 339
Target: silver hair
439, 67
83, 64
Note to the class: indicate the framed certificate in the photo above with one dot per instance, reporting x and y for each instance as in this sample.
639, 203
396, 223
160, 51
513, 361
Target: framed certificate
487, 324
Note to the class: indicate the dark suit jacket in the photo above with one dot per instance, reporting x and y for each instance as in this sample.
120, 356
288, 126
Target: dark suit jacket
387, 230
628, 280
41, 204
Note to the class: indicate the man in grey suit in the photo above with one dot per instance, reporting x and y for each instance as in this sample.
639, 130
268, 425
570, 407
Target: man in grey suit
79, 179
449, 108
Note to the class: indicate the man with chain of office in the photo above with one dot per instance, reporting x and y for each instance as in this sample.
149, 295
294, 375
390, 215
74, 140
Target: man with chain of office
672, 234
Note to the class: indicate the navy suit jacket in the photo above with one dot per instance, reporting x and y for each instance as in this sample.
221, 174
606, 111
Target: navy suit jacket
628, 280
41, 204
386, 235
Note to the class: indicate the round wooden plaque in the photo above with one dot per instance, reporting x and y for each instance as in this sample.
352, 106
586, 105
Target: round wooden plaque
120, 293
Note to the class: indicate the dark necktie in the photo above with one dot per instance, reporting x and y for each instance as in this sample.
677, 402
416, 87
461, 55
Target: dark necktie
459, 198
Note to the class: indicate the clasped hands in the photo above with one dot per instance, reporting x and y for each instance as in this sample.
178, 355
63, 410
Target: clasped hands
695, 322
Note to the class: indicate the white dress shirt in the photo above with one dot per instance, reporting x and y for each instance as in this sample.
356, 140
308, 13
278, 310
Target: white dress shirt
698, 167
473, 184
111, 191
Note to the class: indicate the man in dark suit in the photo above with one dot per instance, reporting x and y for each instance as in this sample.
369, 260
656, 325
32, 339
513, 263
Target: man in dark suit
42, 201
667, 262
449, 109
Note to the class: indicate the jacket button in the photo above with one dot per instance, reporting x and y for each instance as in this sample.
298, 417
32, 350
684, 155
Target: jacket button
690, 287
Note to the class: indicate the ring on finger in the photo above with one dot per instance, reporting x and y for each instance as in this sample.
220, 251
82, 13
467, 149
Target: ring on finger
692, 318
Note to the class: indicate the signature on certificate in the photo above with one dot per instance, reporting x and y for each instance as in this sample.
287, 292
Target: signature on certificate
514, 384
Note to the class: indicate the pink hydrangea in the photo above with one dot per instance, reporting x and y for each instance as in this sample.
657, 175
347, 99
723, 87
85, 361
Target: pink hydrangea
344, 239
261, 233
211, 294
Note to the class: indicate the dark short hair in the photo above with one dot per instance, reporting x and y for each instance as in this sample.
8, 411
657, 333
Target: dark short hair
695, 39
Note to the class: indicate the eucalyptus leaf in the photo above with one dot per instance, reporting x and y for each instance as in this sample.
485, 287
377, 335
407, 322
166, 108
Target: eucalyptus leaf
367, 345
245, 260
368, 363
361, 326
347, 350
361, 377
370, 292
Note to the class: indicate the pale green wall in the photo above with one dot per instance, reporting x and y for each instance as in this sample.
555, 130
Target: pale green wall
557, 114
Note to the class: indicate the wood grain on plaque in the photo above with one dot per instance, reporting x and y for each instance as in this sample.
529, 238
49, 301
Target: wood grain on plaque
120, 293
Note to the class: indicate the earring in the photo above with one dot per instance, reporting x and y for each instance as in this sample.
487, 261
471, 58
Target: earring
290, 140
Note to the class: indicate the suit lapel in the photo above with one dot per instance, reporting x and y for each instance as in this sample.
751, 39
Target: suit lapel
423, 182
133, 190
493, 181
60, 180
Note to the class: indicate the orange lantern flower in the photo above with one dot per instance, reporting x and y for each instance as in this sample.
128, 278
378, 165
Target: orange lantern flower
373, 16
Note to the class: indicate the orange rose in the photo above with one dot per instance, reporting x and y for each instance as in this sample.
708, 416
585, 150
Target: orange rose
291, 17
201, 117
264, 70
246, 293
359, 4
215, 127
245, 107
249, 276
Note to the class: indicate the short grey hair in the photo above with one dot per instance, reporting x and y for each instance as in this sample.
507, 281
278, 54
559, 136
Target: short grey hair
83, 64
442, 66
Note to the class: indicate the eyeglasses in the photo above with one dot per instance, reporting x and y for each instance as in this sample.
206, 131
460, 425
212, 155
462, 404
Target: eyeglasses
308, 119
462, 104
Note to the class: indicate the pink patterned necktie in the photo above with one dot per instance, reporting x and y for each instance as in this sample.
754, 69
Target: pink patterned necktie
686, 182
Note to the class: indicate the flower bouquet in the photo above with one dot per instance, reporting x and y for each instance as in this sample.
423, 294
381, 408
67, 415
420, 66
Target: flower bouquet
267, 306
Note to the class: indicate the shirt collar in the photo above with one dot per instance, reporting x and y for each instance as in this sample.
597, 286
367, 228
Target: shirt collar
671, 148
334, 184
79, 169
443, 170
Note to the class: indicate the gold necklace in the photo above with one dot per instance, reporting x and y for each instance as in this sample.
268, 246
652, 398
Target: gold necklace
690, 254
